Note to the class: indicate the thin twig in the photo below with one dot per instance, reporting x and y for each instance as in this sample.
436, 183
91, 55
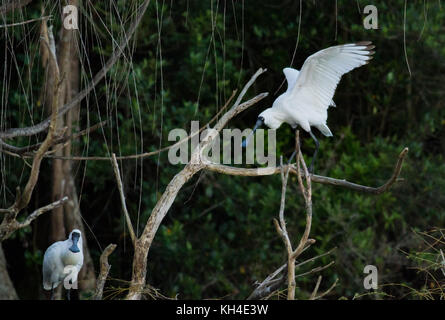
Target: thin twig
327, 291
442, 262
122, 195
314, 270
317, 285
42, 210
25, 22
25, 152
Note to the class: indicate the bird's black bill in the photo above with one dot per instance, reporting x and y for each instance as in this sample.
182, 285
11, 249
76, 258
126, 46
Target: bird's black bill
74, 248
258, 124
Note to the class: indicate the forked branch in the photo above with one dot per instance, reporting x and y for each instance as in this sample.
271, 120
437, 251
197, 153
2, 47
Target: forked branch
280, 226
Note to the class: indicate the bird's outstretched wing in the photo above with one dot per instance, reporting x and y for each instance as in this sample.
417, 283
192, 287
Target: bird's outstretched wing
321, 72
291, 77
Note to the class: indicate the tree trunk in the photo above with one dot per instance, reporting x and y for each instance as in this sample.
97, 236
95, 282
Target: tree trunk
69, 217
7, 290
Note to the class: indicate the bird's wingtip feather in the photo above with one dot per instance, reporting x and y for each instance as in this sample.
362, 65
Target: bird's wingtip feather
363, 43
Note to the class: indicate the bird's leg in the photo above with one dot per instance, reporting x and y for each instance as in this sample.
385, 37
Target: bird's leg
51, 297
294, 130
68, 294
311, 167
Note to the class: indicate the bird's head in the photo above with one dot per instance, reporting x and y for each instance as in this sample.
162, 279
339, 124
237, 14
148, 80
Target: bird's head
269, 118
75, 237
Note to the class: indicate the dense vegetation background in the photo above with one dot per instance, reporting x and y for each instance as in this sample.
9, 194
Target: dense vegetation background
218, 238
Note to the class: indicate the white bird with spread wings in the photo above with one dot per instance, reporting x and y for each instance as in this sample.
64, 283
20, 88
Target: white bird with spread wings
310, 91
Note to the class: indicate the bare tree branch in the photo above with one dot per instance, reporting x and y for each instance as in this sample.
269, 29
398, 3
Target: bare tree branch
24, 22
314, 270
317, 285
266, 171
104, 270
42, 210
9, 224
327, 291
24, 152
442, 262
122, 195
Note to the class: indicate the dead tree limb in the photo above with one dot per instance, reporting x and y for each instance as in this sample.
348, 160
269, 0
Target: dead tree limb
122, 195
9, 225
197, 163
280, 225
269, 285
104, 270
315, 270
266, 171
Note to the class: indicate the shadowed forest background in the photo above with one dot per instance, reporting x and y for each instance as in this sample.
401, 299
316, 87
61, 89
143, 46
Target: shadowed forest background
218, 238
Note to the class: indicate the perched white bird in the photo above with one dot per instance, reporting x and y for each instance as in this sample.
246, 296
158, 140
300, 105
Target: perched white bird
60, 255
310, 91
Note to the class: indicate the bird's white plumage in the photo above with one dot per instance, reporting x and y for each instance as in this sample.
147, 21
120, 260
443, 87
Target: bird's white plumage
57, 257
310, 90
291, 78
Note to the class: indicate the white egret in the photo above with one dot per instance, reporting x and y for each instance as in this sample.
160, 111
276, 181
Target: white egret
58, 256
310, 91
